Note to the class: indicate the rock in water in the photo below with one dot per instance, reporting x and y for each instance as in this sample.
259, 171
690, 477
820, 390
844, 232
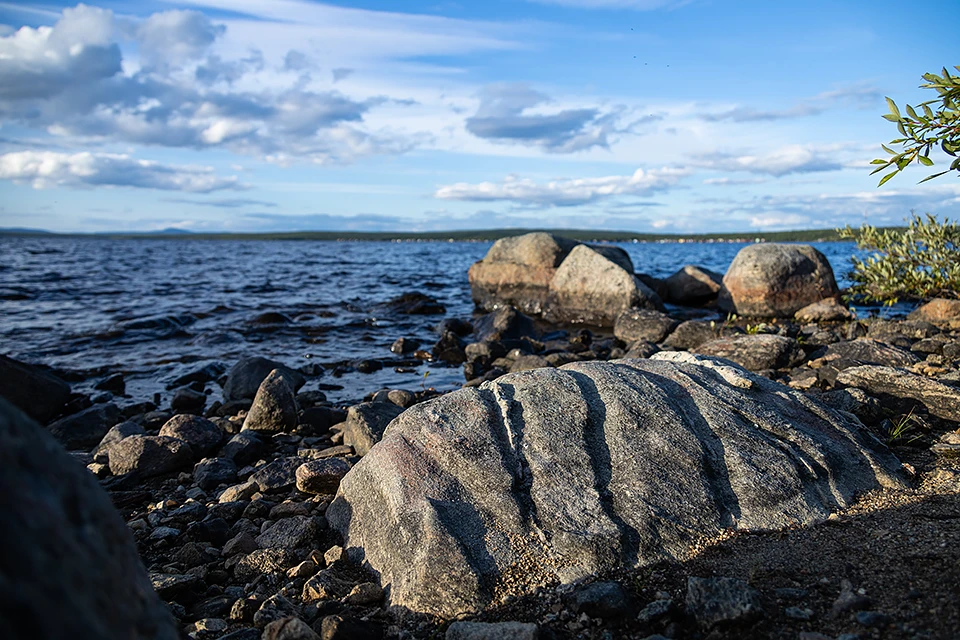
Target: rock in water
776, 280
591, 289
245, 377
38, 393
559, 474
517, 271
70, 568
274, 408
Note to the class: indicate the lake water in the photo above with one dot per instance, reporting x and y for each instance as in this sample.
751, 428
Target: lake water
155, 309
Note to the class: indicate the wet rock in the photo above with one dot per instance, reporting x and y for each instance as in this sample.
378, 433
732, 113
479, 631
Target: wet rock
643, 325
941, 400
277, 475
85, 429
691, 286
41, 395
63, 536
829, 310
404, 346
289, 629
588, 288
366, 423
114, 384
506, 323
722, 602
243, 448
296, 532
603, 449
517, 271
776, 280
244, 379
450, 348
464, 630
413, 303
755, 352
210, 473
601, 600
201, 434
455, 325
843, 355
322, 476
149, 455
274, 408
939, 311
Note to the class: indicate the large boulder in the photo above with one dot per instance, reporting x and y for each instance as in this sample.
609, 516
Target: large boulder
149, 455
243, 380
691, 286
274, 408
559, 474
589, 288
772, 280
39, 394
70, 568
939, 311
202, 435
517, 271
941, 400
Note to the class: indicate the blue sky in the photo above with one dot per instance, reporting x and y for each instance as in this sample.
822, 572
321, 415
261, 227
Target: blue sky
643, 115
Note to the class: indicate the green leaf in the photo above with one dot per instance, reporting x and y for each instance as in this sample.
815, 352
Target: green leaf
912, 113
879, 161
888, 150
927, 111
891, 118
932, 176
893, 107
886, 177
925, 161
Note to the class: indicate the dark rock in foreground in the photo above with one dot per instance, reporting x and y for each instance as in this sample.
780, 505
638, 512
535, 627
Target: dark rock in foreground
85, 429
39, 394
69, 565
559, 474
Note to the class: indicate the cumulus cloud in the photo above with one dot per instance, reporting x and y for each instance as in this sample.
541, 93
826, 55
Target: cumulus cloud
857, 95
505, 115
175, 37
47, 169
795, 158
565, 193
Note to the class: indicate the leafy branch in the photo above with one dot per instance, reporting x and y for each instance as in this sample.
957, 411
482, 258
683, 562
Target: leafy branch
923, 128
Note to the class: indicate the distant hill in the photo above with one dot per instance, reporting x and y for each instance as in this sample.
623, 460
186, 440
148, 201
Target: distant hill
808, 235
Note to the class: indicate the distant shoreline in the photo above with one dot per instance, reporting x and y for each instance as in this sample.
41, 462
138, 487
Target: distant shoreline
482, 235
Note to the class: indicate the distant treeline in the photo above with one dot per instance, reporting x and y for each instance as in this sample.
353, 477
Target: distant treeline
810, 235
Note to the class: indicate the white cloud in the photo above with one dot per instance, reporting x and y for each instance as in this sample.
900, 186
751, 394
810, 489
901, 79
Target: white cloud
47, 169
565, 193
795, 158
638, 5
174, 37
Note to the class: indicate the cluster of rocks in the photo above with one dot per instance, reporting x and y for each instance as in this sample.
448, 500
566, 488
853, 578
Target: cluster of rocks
571, 453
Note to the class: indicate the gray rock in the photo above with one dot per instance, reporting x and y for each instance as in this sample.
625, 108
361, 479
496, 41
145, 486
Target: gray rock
274, 408
289, 629
588, 288
506, 323
755, 352
492, 631
273, 608
70, 565
295, 532
829, 310
243, 448
616, 255
364, 594
641, 350
264, 561
517, 271
279, 474
635, 325
526, 363
601, 600
39, 394
87, 428
722, 602
243, 542
186, 400
941, 400
366, 423
776, 280
577, 470
873, 618
864, 351
322, 476
855, 401
691, 334
691, 286
341, 628
119, 432
245, 377
202, 435
210, 473
149, 455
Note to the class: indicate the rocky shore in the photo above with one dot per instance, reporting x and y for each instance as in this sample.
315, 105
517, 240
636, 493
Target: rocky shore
702, 456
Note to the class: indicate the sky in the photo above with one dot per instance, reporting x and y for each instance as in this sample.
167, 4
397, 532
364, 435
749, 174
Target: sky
669, 116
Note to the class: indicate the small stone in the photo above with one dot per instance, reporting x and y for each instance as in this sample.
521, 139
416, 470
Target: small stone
333, 554
322, 476
238, 492
601, 600
341, 628
210, 473
149, 455
289, 629
849, 600
798, 613
202, 435
164, 533
364, 594
290, 533
654, 611
812, 635
241, 543
713, 601
186, 400
274, 408
303, 570
873, 618
273, 608
492, 631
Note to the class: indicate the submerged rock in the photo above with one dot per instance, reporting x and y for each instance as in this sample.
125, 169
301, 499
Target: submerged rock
70, 566
776, 280
560, 474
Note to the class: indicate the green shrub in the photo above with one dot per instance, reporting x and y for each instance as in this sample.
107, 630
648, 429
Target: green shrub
921, 261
